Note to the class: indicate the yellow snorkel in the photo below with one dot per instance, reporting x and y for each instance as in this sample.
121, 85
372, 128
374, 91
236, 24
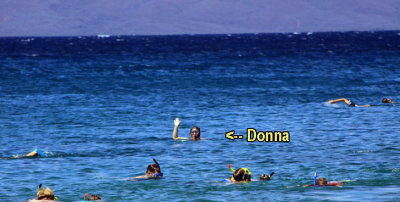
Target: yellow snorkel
232, 178
229, 165
245, 169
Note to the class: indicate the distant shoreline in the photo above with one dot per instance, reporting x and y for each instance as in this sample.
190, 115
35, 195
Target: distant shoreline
105, 35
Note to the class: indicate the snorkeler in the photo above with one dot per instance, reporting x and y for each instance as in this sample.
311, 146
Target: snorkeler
266, 177
153, 172
93, 197
241, 175
194, 132
323, 182
45, 194
351, 104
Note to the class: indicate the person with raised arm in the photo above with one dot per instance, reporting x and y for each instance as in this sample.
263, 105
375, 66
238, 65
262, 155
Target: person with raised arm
194, 132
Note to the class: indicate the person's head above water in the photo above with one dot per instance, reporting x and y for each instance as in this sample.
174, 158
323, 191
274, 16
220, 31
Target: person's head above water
45, 194
386, 100
195, 133
154, 170
242, 175
94, 197
321, 181
266, 177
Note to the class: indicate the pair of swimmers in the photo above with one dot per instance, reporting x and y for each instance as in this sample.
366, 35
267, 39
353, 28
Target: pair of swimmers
194, 135
46, 194
244, 175
352, 104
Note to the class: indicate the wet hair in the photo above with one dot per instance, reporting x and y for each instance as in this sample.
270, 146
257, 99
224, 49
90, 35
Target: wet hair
352, 104
265, 177
385, 100
321, 181
45, 194
152, 168
241, 175
194, 127
94, 197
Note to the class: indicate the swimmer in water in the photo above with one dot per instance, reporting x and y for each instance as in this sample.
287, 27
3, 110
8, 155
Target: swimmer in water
386, 100
194, 132
323, 182
45, 194
93, 197
35, 152
241, 175
351, 104
266, 177
153, 172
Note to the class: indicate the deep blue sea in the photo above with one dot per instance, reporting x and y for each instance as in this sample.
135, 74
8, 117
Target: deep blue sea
101, 108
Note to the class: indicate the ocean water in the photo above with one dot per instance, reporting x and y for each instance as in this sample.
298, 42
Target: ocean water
101, 108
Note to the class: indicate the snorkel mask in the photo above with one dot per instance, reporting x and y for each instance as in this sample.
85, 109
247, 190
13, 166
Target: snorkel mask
160, 174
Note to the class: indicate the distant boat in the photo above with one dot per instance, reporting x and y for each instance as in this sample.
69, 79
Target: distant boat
103, 35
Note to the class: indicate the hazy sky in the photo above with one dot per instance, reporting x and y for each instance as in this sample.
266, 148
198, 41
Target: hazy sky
149, 17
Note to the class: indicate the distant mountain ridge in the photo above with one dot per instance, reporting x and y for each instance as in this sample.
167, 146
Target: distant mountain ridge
155, 17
